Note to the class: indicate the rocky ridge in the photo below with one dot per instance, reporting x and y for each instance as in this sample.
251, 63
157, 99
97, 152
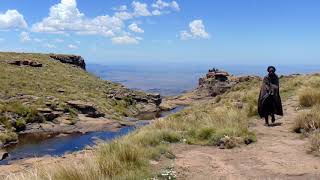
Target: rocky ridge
70, 59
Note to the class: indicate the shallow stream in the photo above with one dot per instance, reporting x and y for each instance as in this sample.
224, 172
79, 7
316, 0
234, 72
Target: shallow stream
39, 145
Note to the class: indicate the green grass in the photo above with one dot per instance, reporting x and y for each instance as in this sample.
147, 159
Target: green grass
46, 81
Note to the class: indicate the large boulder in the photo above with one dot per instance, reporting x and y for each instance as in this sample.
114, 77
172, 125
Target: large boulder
70, 59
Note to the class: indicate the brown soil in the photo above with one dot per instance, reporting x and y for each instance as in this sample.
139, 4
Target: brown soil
278, 154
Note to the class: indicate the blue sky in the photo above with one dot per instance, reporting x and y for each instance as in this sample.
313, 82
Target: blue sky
165, 31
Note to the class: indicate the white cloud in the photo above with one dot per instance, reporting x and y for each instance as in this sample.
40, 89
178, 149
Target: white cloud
140, 9
135, 28
125, 40
162, 5
49, 46
12, 19
184, 35
197, 31
66, 18
123, 15
24, 37
72, 46
156, 12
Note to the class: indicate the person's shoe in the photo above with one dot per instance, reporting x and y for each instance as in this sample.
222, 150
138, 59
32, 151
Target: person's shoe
273, 118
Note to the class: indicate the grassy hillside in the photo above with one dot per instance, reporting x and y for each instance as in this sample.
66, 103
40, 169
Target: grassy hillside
46, 81
23, 89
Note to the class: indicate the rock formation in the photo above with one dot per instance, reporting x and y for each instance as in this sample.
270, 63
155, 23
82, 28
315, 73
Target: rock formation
145, 103
86, 108
70, 59
25, 63
217, 82
214, 83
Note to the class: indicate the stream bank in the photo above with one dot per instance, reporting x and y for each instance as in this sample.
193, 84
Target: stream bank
57, 144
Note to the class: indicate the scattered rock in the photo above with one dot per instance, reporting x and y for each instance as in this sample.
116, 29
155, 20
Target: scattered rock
70, 59
229, 142
60, 90
3, 155
44, 110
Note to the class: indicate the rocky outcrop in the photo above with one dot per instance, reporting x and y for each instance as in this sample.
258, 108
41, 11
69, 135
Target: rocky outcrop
25, 63
70, 59
144, 102
214, 83
86, 108
217, 82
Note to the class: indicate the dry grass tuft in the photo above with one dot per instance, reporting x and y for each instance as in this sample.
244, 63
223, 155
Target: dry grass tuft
309, 96
315, 142
308, 120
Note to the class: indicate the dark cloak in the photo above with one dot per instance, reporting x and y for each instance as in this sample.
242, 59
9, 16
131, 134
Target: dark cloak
269, 98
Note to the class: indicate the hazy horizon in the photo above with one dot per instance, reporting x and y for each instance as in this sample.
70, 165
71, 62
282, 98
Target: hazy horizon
173, 79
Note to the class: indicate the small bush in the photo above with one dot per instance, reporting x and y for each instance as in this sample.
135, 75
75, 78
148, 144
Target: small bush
17, 107
315, 142
309, 97
307, 121
20, 125
206, 133
7, 136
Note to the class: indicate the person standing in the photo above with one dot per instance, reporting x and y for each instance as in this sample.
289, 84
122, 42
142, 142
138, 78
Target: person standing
269, 103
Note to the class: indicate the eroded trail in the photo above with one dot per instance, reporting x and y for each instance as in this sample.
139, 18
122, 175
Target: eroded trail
278, 154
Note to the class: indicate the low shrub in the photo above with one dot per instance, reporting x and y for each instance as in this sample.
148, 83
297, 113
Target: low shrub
309, 97
308, 120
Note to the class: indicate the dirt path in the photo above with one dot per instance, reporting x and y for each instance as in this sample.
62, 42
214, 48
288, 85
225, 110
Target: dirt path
278, 154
